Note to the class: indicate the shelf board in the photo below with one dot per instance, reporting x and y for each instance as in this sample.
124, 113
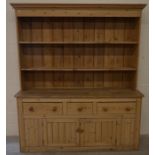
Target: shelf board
78, 69
74, 43
80, 93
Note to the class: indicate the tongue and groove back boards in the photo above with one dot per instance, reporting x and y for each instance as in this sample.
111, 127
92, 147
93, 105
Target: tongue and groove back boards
78, 52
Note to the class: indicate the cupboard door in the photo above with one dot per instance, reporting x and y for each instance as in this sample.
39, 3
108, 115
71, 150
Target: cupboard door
34, 132
98, 132
128, 129
62, 132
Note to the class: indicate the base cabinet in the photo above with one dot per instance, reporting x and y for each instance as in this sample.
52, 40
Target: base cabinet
46, 126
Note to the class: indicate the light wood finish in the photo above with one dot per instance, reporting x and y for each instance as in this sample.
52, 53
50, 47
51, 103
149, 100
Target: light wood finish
116, 107
77, 10
82, 124
80, 93
42, 109
21, 125
79, 108
62, 132
78, 43
91, 46
137, 123
98, 132
127, 138
34, 129
78, 68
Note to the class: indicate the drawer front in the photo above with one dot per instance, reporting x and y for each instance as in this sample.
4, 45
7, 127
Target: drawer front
42, 109
75, 108
103, 108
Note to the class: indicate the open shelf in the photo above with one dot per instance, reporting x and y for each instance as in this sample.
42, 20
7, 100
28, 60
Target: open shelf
80, 79
78, 52
78, 69
74, 43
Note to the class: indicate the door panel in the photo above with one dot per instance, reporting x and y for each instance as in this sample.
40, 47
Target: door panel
127, 138
98, 132
62, 132
34, 132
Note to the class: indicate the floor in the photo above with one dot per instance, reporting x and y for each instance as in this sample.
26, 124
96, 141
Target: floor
12, 148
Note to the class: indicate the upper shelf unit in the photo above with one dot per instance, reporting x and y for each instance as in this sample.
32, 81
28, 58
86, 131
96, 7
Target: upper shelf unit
78, 30
78, 46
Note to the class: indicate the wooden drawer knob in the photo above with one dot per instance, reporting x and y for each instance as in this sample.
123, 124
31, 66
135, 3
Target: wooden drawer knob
31, 109
128, 109
80, 109
80, 130
54, 109
105, 109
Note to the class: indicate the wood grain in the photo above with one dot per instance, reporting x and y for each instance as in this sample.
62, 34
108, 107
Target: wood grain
78, 66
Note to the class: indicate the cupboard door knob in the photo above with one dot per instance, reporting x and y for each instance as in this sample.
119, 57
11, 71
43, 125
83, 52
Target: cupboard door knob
127, 109
31, 109
105, 109
80, 109
54, 109
80, 130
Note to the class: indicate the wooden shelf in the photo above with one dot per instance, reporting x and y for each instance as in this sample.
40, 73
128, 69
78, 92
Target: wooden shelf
78, 52
78, 69
77, 43
81, 93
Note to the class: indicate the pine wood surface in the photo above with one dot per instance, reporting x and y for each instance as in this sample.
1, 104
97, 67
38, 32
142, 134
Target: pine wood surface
69, 124
78, 10
78, 67
50, 49
78, 93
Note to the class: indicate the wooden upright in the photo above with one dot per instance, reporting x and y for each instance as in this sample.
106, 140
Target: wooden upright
78, 72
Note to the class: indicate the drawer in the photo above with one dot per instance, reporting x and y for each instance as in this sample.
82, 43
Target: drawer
74, 108
42, 109
103, 108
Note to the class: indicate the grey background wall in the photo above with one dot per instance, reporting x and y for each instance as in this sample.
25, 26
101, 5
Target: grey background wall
13, 84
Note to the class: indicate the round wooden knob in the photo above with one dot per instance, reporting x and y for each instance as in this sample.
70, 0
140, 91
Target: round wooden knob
80, 130
127, 109
54, 109
105, 109
80, 109
31, 109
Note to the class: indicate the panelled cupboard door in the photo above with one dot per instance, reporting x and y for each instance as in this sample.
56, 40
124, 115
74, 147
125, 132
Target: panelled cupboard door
128, 130
98, 132
34, 132
62, 132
